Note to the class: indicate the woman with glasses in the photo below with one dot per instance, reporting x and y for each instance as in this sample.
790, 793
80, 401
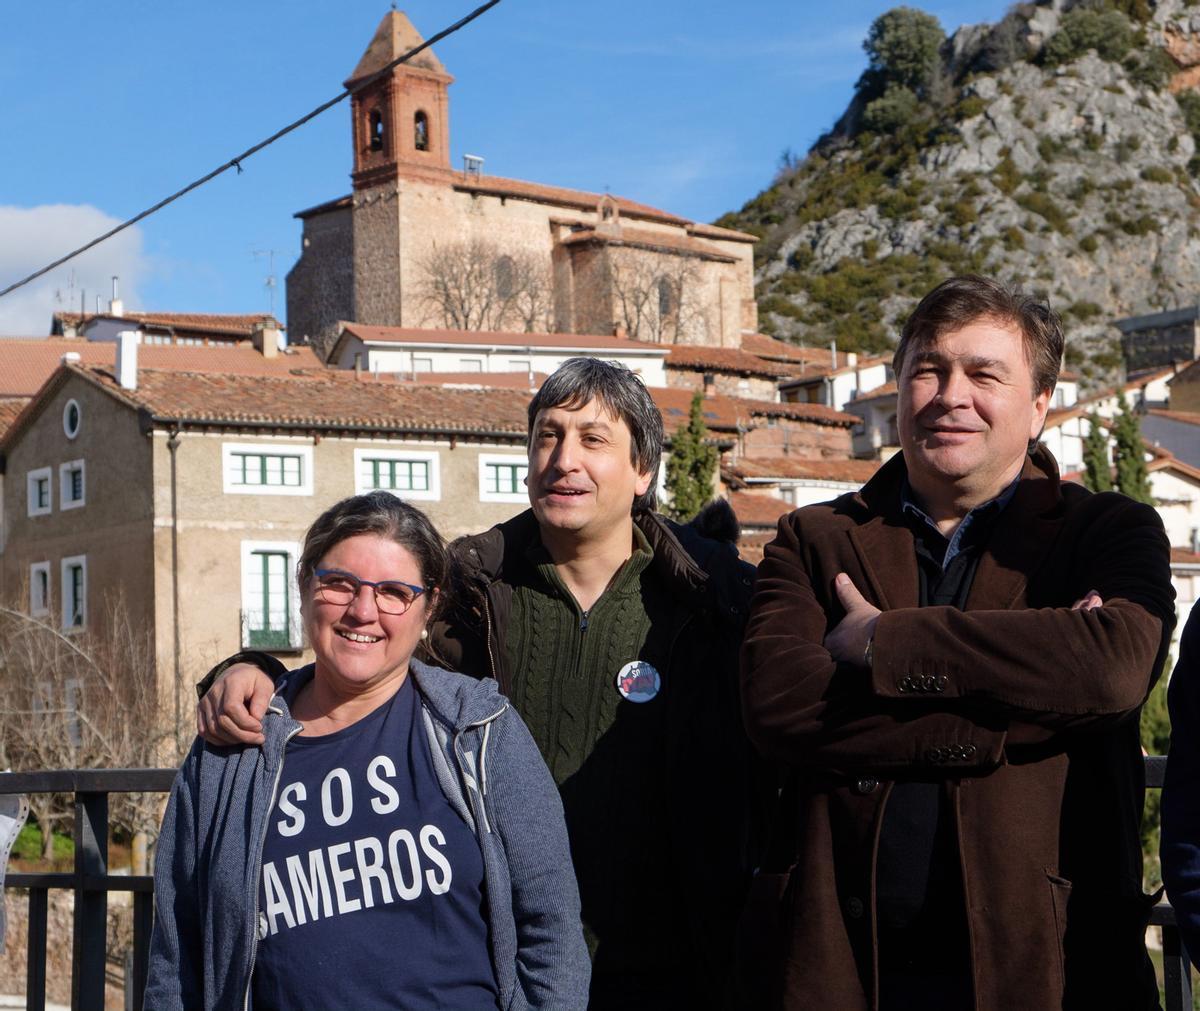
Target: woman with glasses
396, 842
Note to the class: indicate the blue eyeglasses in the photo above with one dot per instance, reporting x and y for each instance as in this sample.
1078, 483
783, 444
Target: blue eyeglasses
391, 596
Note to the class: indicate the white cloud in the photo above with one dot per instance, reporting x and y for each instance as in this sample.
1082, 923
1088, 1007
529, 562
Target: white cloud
31, 237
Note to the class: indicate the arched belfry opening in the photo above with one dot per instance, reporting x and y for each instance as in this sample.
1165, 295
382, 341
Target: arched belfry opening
401, 119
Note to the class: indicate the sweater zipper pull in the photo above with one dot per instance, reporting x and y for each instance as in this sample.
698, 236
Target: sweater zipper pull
583, 621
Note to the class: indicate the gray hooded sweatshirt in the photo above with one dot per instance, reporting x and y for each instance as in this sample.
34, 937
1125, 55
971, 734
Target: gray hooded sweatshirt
210, 852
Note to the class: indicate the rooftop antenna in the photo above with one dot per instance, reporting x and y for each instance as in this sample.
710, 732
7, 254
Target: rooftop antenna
270, 283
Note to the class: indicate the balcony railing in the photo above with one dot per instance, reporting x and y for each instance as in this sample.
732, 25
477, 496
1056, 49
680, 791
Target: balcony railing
91, 883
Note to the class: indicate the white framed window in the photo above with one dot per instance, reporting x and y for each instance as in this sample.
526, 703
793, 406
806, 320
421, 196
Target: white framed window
72, 417
270, 603
409, 473
502, 477
470, 365
39, 589
73, 578
520, 365
71, 488
267, 468
39, 491
422, 364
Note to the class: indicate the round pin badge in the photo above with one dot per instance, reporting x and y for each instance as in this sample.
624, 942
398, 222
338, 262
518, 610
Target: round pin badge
638, 681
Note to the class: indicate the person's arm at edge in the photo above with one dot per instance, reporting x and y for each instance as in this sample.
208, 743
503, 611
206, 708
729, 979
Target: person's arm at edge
553, 967
234, 697
175, 979
1180, 843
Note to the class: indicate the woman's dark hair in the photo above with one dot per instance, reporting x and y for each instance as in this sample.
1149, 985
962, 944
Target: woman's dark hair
580, 380
955, 303
380, 513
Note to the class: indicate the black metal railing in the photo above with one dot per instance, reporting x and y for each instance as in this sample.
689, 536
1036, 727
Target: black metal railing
91, 883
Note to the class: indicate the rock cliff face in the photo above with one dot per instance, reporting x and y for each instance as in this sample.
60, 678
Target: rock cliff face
1072, 171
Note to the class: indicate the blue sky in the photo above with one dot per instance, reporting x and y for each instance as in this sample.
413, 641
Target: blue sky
106, 108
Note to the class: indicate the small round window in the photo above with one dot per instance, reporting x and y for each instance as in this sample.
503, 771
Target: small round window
71, 419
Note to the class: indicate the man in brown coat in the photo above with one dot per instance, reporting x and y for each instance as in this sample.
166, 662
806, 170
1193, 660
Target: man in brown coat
950, 663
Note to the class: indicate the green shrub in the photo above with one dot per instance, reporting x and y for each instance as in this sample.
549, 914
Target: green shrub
903, 46
1089, 243
968, 108
895, 109
28, 845
1151, 68
962, 213
1084, 310
1049, 148
1144, 225
1084, 28
870, 248
1005, 176
1013, 238
1043, 205
1158, 174
1092, 141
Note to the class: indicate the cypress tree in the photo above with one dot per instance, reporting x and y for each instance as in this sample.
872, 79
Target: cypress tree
1097, 475
1129, 456
691, 465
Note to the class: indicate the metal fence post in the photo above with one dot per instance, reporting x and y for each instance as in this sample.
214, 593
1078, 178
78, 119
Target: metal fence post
35, 955
91, 902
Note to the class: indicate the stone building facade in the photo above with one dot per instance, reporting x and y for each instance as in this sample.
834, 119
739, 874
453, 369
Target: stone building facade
542, 258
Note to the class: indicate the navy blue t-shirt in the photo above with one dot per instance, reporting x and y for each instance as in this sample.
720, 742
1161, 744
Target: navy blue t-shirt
372, 884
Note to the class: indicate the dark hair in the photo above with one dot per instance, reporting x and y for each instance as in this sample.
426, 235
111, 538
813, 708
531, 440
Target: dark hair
579, 380
381, 513
960, 301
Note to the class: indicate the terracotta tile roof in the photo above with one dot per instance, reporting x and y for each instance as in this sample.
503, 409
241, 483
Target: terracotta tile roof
751, 543
1167, 461
726, 413
26, 364
1190, 374
1187, 417
761, 511
857, 472
1061, 415
478, 380
888, 389
643, 238
768, 347
9, 409
1068, 375
201, 323
331, 399
717, 232
804, 373
1184, 556
519, 189
394, 37
699, 357
330, 205
411, 335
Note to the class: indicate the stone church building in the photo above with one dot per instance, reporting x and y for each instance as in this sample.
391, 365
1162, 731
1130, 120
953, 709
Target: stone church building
420, 243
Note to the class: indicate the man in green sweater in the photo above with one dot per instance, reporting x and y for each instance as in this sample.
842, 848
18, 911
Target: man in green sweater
615, 633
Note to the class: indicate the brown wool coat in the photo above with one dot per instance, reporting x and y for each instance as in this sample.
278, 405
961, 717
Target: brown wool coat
1025, 710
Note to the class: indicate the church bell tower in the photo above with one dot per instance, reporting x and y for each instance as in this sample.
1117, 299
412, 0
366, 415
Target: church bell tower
401, 121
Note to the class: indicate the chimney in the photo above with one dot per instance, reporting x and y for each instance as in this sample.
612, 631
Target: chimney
264, 335
833, 353
619, 330
115, 306
127, 365
70, 358
852, 358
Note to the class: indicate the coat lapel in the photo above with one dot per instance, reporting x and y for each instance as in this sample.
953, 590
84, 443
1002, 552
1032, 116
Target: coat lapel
884, 544
1022, 538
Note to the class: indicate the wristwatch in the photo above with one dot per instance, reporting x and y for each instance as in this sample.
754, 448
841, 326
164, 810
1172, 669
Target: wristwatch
869, 652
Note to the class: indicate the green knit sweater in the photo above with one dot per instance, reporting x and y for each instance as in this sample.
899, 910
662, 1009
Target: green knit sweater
565, 660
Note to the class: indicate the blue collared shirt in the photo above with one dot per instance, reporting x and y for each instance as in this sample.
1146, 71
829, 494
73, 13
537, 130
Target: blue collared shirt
958, 539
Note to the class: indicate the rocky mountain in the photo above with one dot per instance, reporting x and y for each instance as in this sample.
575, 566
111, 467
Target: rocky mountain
1056, 148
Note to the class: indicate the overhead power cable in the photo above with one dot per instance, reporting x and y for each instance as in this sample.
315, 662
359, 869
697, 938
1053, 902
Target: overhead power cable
236, 162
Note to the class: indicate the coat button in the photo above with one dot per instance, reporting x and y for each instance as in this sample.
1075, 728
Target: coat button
866, 785
855, 907
940, 684
969, 751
